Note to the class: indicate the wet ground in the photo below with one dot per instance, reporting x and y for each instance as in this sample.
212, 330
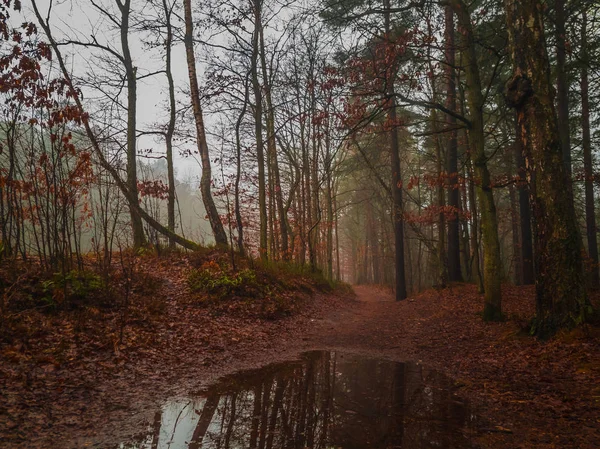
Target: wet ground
325, 399
525, 393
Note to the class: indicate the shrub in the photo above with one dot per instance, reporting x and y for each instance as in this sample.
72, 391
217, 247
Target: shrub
216, 281
64, 288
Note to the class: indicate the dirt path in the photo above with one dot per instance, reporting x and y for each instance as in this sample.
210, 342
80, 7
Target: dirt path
528, 394
541, 395
371, 324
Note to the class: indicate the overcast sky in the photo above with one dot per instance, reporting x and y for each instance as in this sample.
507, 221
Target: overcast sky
78, 19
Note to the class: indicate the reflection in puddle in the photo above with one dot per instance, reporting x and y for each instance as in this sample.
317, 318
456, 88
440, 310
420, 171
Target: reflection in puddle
326, 400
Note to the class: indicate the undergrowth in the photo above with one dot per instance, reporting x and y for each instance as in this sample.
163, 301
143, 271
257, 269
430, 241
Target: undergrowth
37, 302
265, 289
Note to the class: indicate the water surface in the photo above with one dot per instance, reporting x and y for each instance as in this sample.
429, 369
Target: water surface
324, 400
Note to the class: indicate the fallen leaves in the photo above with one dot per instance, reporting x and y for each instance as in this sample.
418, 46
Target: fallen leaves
66, 373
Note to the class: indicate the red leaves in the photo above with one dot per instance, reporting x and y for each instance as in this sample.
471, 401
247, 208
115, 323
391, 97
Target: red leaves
431, 213
154, 189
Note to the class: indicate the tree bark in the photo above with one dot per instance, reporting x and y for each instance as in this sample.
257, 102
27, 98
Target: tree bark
329, 229
527, 274
206, 179
454, 272
476, 264
238, 174
562, 86
139, 238
590, 212
397, 201
516, 237
489, 223
561, 299
171, 126
272, 151
441, 199
260, 151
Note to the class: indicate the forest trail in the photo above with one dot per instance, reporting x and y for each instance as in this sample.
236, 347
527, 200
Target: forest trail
530, 394
372, 323
526, 393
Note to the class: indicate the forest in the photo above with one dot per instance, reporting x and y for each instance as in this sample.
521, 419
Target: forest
214, 177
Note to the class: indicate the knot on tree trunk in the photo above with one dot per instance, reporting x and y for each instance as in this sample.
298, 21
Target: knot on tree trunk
518, 89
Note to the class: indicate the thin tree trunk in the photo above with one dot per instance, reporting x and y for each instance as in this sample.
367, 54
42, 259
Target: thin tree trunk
516, 237
329, 229
454, 272
206, 179
441, 199
397, 204
562, 85
337, 238
238, 174
466, 247
260, 151
375, 256
313, 233
489, 223
590, 212
139, 239
527, 275
171, 126
272, 151
476, 274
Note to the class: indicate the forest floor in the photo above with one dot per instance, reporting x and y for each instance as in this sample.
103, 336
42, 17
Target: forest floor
526, 393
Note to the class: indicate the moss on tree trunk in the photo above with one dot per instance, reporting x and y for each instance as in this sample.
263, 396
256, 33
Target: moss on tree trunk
561, 299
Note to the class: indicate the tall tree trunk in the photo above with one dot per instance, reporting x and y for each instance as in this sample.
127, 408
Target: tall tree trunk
368, 246
562, 85
527, 275
313, 232
516, 236
272, 150
260, 151
561, 299
466, 246
397, 202
338, 273
489, 223
273, 237
139, 238
454, 272
441, 199
590, 212
476, 264
307, 204
398, 208
171, 126
375, 255
238, 174
329, 229
206, 179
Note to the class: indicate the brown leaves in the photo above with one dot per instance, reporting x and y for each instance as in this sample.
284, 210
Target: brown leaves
66, 370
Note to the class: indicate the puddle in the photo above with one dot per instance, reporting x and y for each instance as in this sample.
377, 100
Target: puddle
325, 400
